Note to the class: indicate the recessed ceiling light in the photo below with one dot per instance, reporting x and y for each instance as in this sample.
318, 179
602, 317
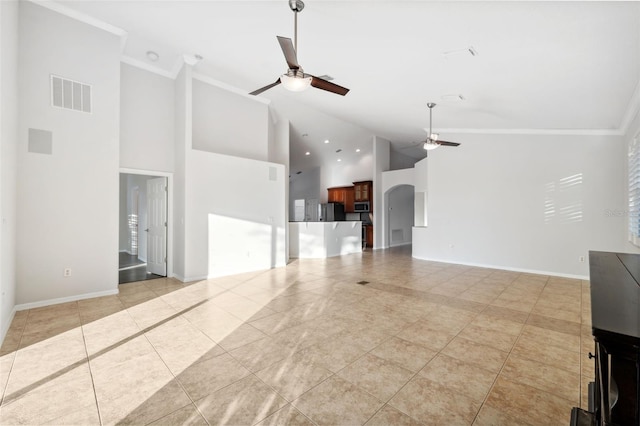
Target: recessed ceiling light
326, 141
152, 56
307, 153
339, 159
298, 172
339, 150
357, 149
199, 57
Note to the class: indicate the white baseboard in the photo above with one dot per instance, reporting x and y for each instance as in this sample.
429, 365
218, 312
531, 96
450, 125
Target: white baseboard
405, 243
59, 300
188, 279
6, 325
507, 268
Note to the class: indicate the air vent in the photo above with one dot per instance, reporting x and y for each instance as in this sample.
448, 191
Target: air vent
70, 94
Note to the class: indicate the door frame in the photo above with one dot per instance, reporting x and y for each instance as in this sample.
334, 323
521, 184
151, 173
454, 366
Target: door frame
169, 177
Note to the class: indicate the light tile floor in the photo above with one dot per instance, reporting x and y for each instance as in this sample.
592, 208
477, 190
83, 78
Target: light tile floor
421, 343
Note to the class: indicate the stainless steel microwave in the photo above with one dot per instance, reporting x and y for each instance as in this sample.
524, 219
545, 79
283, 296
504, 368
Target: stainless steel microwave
361, 206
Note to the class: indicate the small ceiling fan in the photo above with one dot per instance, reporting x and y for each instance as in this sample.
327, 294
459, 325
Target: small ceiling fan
295, 79
432, 141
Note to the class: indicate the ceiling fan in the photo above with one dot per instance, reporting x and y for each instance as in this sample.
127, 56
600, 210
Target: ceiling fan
432, 141
295, 79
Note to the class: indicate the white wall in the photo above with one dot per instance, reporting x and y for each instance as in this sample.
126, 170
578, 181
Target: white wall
183, 106
227, 123
381, 158
344, 174
399, 210
304, 186
533, 203
64, 221
123, 234
8, 157
235, 217
147, 120
399, 161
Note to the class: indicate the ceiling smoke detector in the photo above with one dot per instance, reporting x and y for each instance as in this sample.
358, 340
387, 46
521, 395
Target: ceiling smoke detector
152, 56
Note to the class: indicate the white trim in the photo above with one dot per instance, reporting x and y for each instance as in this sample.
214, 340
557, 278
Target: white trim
177, 67
547, 132
507, 268
170, 207
147, 67
189, 279
406, 243
59, 300
212, 81
79, 16
5, 327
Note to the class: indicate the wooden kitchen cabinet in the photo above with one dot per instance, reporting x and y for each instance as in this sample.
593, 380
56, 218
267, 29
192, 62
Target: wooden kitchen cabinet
342, 194
362, 191
348, 199
369, 235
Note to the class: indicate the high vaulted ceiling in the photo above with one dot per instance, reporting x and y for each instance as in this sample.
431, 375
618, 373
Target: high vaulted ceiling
540, 67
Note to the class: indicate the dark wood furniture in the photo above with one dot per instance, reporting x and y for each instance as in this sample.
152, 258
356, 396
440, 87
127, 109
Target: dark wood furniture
614, 396
344, 195
363, 191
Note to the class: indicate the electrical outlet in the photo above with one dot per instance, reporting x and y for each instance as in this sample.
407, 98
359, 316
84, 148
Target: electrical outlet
67, 272
581, 258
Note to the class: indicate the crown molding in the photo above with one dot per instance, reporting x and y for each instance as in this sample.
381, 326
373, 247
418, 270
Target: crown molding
146, 66
547, 132
79, 16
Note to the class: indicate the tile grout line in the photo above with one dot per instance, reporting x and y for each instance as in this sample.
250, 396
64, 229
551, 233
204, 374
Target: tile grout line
175, 378
508, 353
93, 384
13, 361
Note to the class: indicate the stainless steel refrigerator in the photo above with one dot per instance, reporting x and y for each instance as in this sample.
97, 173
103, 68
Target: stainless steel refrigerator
331, 212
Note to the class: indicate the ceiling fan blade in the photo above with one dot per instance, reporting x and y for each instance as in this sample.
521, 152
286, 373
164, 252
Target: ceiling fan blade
319, 83
445, 143
289, 52
265, 88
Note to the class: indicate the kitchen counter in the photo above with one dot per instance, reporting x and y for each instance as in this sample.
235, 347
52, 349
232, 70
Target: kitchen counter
313, 240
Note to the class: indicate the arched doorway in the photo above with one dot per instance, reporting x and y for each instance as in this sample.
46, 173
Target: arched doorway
399, 217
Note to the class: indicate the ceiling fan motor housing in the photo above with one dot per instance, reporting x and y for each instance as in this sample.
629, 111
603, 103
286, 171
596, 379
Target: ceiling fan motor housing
296, 5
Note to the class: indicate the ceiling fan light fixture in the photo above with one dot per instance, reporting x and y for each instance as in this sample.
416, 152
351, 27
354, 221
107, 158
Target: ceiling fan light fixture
430, 145
295, 83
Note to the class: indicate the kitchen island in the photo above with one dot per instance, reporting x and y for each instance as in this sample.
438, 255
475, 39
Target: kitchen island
314, 240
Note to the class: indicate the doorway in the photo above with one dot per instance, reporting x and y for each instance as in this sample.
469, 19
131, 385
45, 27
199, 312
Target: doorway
143, 227
399, 206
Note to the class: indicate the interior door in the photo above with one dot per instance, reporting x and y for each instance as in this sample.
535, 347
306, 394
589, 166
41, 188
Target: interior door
157, 226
